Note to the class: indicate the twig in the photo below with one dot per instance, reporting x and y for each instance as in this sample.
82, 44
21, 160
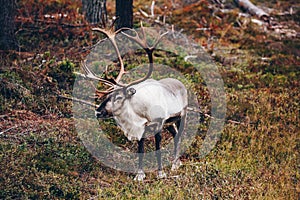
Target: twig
2, 132
237, 122
211, 117
79, 101
143, 13
152, 8
199, 111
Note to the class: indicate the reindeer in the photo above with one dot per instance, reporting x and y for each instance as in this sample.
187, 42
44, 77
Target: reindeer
144, 105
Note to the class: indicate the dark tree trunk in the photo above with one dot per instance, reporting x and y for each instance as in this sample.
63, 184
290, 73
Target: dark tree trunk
95, 11
124, 12
8, 39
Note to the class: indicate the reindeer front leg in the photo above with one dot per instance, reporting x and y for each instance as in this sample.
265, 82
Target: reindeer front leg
140, 174
161, 173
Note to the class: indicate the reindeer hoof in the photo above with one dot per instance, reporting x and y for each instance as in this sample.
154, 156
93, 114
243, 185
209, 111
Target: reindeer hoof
161, 174
140, 176
176, 164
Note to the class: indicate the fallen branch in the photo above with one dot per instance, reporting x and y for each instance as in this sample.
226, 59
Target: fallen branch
252, 9
79, 101
188, 108
2, 132
211, 117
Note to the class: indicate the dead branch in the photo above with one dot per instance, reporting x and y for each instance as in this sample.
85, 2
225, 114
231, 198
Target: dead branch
189, 109
211, 117
2, 132
252, 9
79, 101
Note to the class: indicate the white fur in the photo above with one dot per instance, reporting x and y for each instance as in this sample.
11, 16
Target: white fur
152, 100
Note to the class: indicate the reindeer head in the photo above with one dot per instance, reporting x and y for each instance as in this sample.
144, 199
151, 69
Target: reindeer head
114, 102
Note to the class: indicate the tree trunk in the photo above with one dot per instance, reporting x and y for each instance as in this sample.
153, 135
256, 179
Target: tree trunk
95, 11
124, 12
8, 39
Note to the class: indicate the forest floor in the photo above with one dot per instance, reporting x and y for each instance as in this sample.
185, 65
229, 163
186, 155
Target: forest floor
43, 157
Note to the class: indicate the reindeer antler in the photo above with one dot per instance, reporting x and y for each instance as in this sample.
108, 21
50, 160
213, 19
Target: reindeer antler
142, 41
111, 36
89, 74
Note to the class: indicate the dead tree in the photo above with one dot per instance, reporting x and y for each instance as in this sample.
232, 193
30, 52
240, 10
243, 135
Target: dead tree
95, 11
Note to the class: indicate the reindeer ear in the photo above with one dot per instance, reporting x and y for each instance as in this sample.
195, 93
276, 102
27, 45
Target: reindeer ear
130, 92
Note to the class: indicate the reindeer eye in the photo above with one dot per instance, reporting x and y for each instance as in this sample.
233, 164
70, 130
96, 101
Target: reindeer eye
118, 98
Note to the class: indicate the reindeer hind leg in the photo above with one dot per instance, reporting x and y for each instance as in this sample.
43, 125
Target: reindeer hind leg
180, 124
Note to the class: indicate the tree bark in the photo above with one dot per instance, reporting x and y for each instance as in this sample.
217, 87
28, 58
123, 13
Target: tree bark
8, 39
95, 11
124, 13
